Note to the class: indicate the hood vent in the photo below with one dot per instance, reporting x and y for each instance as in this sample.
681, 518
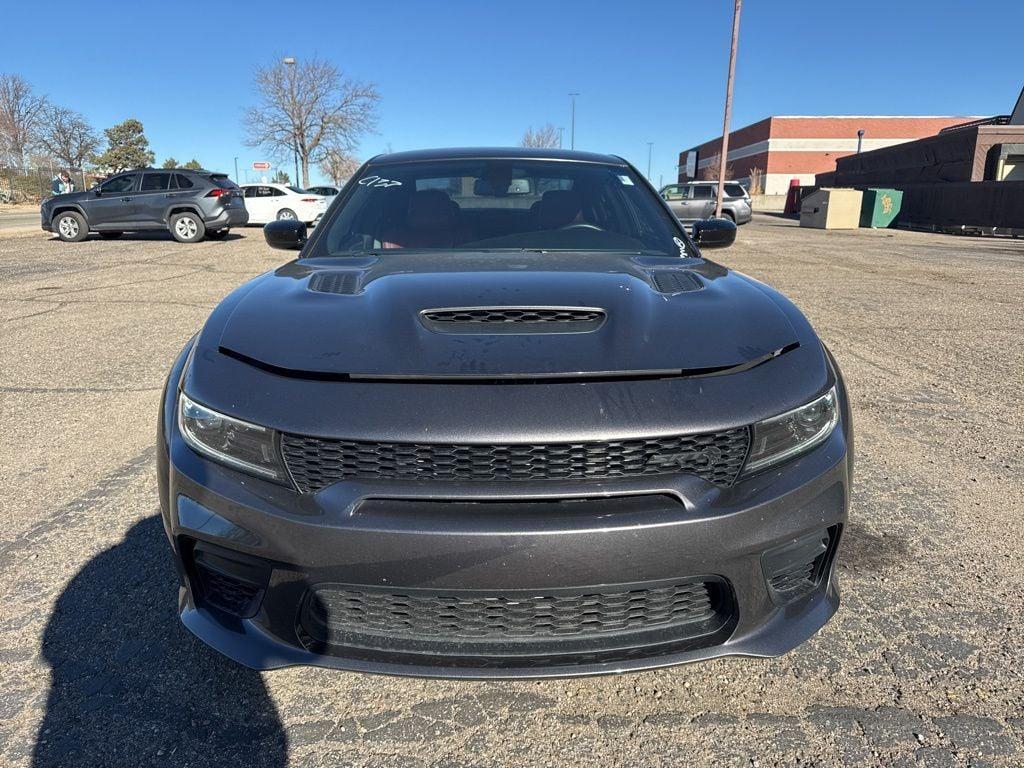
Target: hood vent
341, 282
502, 320
675, 281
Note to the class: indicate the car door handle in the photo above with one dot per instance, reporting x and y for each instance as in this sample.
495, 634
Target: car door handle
126, 199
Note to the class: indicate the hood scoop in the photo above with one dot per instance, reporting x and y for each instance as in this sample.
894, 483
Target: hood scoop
675, 281
513, 320
342, 282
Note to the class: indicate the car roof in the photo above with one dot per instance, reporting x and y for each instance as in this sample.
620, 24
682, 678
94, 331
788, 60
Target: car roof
496, 153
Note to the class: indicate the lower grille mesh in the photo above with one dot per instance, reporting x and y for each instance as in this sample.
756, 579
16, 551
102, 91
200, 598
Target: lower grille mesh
315, 463
349, 611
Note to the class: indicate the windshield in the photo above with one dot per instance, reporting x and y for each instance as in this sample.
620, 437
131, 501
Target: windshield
483, 205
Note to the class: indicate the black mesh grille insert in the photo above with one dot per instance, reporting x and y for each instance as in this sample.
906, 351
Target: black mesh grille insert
233, 595
340, 282
334, 612
514, 315
315, 463
675, 281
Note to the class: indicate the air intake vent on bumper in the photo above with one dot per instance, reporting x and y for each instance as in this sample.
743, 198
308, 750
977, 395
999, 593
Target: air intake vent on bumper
513, 319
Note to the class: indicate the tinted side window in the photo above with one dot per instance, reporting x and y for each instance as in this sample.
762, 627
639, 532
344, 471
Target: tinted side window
182, 181
704, 192
120, 184
734, 190
154, 182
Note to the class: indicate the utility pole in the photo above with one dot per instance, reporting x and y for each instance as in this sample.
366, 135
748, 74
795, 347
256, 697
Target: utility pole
290, 61
236, 169
572, 130
650, 147
728, 105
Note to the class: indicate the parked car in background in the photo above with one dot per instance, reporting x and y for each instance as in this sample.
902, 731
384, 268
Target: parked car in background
503, 417
275, 202
191, 204
327, 192
695, 200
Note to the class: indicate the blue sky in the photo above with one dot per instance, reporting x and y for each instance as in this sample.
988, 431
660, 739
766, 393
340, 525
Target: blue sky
480, 73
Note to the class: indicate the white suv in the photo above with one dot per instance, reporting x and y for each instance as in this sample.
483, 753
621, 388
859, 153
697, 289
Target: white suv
270, 202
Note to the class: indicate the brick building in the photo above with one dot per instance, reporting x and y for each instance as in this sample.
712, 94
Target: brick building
797, 147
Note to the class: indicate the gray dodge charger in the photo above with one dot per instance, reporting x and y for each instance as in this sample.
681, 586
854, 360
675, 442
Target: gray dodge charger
501, 417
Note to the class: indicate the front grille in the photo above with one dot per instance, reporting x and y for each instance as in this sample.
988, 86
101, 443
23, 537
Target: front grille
316, 463
513, 315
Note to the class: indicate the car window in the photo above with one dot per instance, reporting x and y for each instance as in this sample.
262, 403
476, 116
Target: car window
120, 184
222, 181
674, 193
735, 190
492, 205
182, 181
704, 192
155, 182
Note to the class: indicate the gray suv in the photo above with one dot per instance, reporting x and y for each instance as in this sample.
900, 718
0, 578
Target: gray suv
695, 200
190, 204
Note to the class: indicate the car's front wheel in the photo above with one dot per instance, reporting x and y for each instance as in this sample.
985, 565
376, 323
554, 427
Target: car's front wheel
187, 227
70, 226
285, 213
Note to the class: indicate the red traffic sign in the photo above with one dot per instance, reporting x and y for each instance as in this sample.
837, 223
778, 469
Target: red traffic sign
261, 166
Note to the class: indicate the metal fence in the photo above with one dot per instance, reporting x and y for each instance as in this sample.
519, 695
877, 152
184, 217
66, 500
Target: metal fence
33, 185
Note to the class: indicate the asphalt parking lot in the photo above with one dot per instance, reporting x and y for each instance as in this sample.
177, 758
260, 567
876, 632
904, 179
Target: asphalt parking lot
921, 667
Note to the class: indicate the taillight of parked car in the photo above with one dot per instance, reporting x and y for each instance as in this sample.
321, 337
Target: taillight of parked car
219, 192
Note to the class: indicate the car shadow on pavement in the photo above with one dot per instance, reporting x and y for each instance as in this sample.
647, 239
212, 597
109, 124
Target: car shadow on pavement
130, 686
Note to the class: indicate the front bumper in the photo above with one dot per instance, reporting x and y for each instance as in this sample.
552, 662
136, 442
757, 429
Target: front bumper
398, 539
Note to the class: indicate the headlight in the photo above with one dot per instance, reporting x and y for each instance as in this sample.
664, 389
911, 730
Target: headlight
794, 432
248, 447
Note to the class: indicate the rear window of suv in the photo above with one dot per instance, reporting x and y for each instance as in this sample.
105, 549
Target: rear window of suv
222, 181
734, 190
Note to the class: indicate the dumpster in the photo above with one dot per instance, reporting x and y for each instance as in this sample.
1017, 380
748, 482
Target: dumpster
880, 207
831, 209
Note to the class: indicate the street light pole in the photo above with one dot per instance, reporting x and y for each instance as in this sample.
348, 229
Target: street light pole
236, 169
572, 130
728, 105
860, 138
650, 147
290, 61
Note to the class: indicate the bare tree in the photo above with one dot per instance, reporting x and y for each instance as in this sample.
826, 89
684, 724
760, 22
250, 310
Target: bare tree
756, 181
307, 108
338, 165
546, 136
20, 113
67, 137
710, 171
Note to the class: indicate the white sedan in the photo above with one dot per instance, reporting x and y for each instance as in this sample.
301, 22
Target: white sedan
271, 202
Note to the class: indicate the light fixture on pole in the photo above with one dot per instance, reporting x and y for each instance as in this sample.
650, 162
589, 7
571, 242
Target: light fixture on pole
572, 129
728, 106
290, 62
860, 138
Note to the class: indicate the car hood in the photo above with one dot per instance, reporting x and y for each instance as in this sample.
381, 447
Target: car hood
70, 197
362, 318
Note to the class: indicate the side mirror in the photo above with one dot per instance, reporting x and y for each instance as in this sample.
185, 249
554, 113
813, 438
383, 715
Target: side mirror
714, 233
287, 234
98, 191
